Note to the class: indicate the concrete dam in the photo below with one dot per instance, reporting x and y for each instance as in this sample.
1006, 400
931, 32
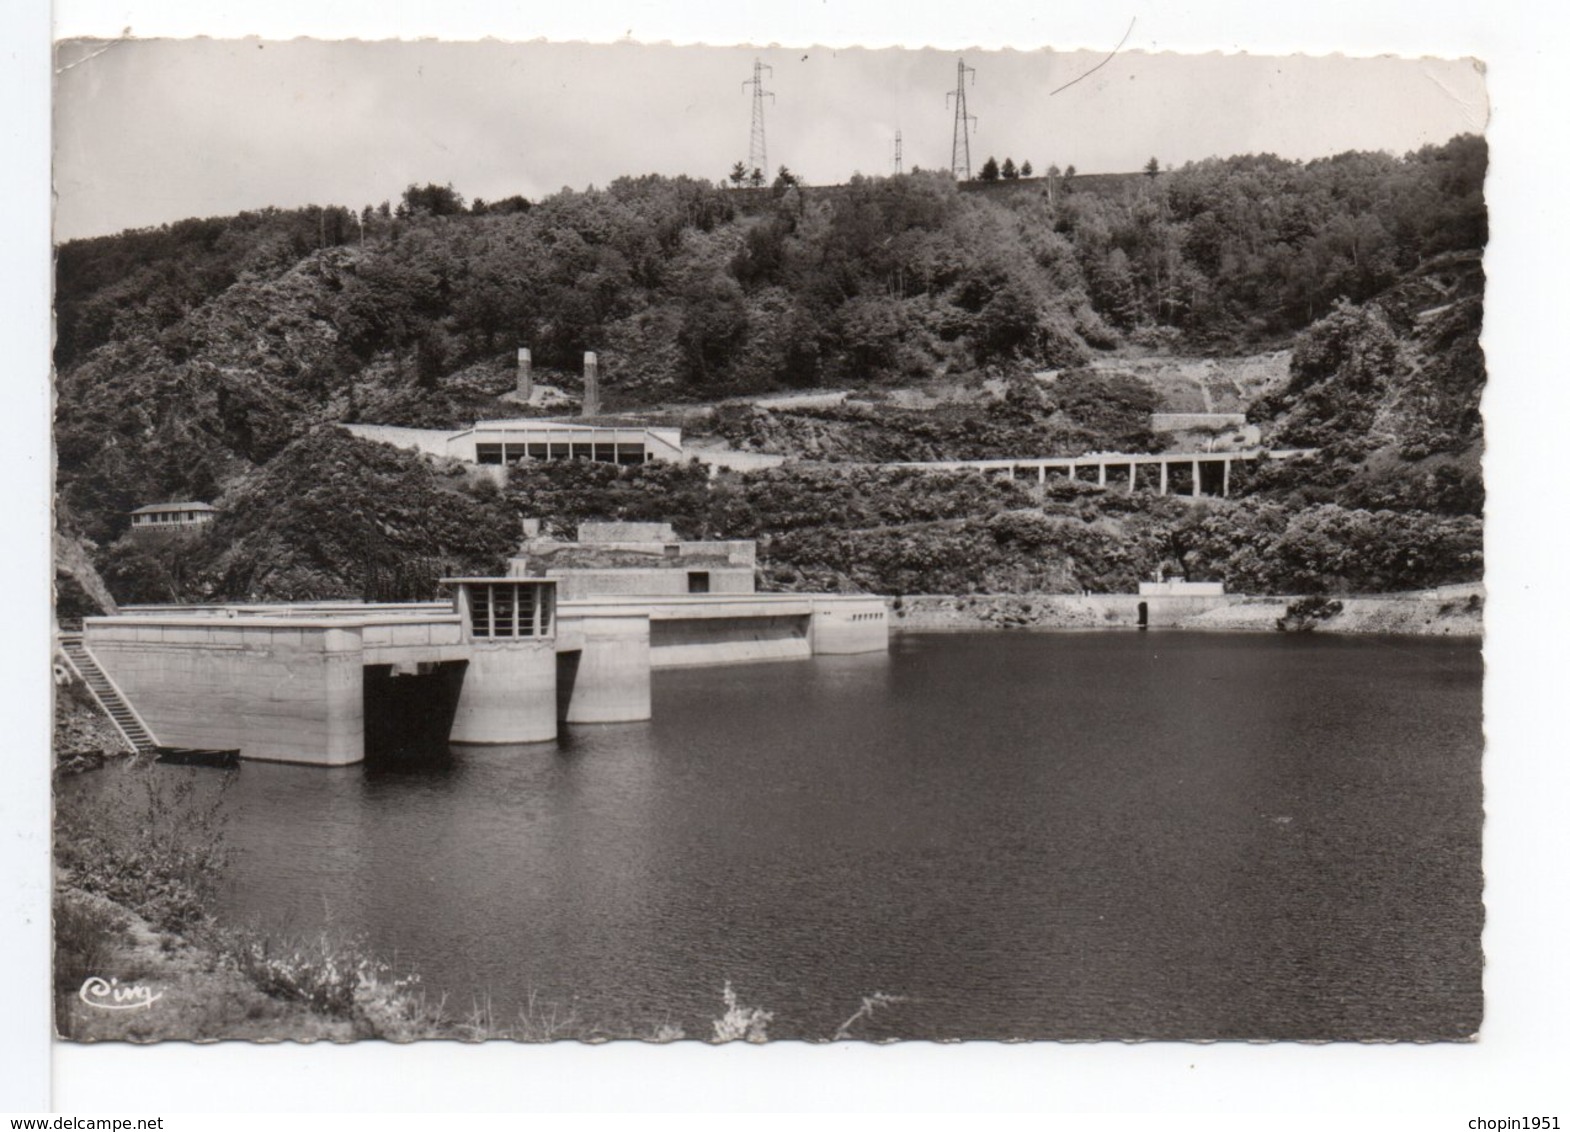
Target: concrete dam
507, 660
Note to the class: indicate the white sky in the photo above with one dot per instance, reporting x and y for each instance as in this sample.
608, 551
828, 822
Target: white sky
150, 131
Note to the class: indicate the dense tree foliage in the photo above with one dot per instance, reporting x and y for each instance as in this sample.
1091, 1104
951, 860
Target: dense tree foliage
329, 517
1222, 250
430, 200
333, 516
206, 359
1080, 410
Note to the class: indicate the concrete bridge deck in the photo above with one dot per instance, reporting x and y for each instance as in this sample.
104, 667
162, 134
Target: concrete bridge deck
416, 638
1194, 465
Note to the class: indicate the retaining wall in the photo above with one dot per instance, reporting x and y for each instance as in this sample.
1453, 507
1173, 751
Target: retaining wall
729, 640
588, 584
433, 442
846, 627
1449, 612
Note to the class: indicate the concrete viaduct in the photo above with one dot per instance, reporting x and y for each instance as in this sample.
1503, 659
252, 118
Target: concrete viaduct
1201, 473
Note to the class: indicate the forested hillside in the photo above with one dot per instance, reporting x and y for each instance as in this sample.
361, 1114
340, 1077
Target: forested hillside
210, 360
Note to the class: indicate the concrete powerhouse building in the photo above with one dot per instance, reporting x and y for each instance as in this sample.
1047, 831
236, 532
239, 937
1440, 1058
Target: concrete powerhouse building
508, 441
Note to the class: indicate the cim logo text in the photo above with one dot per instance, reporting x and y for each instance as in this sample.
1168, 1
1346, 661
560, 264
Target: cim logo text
112, 994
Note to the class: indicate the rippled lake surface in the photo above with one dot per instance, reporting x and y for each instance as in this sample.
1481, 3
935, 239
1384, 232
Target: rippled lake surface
1045, 835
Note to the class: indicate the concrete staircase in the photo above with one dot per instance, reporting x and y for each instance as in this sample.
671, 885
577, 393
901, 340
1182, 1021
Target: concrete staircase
115, 706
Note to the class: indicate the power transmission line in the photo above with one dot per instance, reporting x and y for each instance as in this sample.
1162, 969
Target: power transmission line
1099, 65
899, 153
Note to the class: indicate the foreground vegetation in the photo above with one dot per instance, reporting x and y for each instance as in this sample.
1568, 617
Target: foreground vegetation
140, 864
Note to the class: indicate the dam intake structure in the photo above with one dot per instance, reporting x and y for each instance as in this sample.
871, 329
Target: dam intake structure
507, 660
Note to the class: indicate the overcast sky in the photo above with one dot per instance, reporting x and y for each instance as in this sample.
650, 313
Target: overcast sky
149, 131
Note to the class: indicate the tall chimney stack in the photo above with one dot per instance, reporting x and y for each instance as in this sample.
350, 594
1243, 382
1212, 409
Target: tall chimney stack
591, 385
525, 374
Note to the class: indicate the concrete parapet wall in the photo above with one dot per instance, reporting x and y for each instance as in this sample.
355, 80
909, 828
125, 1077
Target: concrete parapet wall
295, 611
289, 693
409, 633
730, 640
688, 608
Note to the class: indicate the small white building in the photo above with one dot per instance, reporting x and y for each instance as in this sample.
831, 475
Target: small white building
164, 517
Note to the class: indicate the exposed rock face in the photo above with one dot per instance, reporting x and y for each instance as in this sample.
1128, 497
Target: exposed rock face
1455, 611
71, 560
83, 735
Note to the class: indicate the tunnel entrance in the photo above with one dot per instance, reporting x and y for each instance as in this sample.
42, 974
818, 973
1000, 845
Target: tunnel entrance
1144, 615
409, 710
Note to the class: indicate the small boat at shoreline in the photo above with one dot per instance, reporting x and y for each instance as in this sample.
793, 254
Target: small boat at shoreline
225, 758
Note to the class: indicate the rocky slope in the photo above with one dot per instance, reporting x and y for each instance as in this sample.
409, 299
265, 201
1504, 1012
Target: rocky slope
211, 360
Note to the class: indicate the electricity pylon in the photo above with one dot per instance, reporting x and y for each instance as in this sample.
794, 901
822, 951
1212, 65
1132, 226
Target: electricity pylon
959, 163
758, 148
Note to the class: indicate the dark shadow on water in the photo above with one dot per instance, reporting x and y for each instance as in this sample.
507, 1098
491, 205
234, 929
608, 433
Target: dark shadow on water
567, 662
422, 764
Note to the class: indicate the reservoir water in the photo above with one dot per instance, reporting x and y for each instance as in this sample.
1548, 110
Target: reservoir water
1043, 835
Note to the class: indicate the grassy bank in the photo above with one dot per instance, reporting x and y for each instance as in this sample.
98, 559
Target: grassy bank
211, 983
195, 994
